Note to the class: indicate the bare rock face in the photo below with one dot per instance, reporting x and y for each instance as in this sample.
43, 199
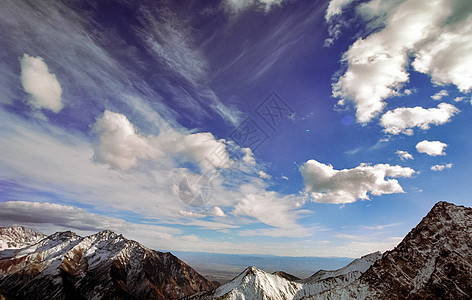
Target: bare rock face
434, 261
100, 266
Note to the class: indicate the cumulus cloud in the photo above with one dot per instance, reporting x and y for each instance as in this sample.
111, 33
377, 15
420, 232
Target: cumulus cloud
404, 119
437, 35
237, 6
218, 212
248, 156
121, 146
404, 155
433, 148
43, 87
327, 185
441, 167
263, 175
439, 95
335, 7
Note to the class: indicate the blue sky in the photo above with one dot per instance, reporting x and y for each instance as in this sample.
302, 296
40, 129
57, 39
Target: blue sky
320, 128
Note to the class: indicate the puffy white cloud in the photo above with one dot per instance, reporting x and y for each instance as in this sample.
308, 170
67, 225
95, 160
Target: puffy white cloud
441, 167
218, 212
237, 6
437, 34
248, 156
327, 185
263, 175
403, 119
404, 155
433, 148
204, 149
335, 7
43, 87
121, 146
438, 96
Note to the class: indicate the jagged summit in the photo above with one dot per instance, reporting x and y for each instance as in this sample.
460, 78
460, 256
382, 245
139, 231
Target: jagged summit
432, 262
18, 237
104, 265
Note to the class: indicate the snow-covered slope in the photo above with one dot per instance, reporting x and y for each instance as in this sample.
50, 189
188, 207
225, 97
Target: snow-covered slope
18, 237
104, 265
354, 269
434, 261
257, 284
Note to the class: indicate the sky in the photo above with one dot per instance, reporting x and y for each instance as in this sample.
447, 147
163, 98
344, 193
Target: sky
284, 127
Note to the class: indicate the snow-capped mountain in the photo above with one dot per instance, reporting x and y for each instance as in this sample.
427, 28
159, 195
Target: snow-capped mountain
18, 237
434, 261
100, 266
257, 284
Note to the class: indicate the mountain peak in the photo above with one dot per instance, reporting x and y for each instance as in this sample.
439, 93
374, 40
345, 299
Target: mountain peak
104, 265
18, 237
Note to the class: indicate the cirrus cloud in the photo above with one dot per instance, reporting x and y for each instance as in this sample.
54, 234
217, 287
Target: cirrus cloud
327, 185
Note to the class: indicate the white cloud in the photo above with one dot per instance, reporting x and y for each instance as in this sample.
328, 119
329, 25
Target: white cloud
404, 155
327, 185
43, 87
66, 216
284, 177
404, 119
433, 148
264, 175
273, 209
248, 156
336, 7
121, 146
441, 167
218, 212
439, 95
237, 6
437, 34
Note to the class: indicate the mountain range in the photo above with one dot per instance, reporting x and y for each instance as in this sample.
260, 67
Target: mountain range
434, 261
100, 266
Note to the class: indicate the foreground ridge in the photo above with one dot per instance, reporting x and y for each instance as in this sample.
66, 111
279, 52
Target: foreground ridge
104, 265
434, 261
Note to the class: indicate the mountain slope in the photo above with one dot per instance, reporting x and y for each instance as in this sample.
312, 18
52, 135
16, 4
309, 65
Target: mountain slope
18, 237
434, 261
257, 284
100, 266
